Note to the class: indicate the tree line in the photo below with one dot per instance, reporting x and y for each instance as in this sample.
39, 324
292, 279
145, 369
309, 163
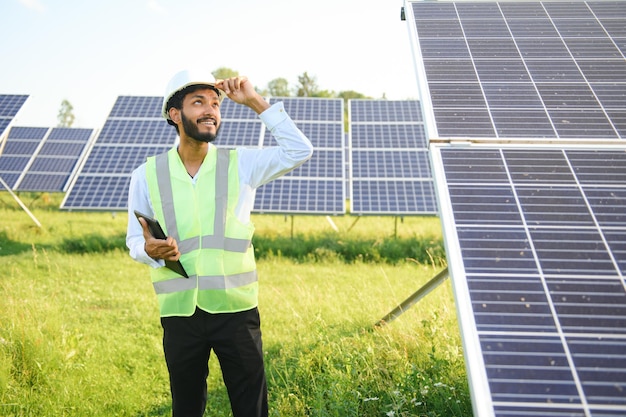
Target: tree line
278, 87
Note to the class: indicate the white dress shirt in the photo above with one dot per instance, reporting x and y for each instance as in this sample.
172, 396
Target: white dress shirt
256, 167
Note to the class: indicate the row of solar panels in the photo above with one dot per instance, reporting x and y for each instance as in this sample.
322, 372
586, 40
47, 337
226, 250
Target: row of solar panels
387, 160
525, 106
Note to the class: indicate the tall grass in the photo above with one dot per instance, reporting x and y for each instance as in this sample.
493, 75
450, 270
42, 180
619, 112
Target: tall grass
80, 335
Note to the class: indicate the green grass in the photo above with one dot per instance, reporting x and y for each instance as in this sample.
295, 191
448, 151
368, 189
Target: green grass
80, 335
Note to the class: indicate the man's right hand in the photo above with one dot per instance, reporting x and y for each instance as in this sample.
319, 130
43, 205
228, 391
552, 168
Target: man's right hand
166, 249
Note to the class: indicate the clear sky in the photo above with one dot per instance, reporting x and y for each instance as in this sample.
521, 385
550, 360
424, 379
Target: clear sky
90, 52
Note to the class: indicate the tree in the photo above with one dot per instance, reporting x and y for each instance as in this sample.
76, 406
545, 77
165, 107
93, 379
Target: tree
223, 72
307, 87
278, 87
66, 114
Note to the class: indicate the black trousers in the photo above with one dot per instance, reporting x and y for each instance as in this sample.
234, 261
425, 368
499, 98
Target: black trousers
236, 340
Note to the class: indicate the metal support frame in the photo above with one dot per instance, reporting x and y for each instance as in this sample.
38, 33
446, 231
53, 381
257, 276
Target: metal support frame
22, 205
414, 298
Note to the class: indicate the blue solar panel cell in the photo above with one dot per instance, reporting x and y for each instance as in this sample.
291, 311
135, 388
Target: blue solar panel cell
582, 123
68, 149
49, 165
492, 48
4, 123
312, 109
323, 164
233, 111
294, 196
20, 147
99, 193
10, 104
321, 135
392, 197
388, 136
385, 111
137, 107
12, 163
518, 10
522, 123
444, 49
119, 159
240, 133
140, 132
532, 28
611, 96
34, 133
70, 134
49, 182
458, 95
391, 164
440, 28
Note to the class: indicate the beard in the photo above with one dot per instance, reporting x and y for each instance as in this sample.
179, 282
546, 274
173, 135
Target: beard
191, 129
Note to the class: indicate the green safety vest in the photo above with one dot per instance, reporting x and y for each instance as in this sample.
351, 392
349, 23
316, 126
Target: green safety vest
216, 248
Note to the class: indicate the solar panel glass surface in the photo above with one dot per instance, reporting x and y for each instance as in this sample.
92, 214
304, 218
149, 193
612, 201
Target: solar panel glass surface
536, 242
54, 162
390, 170
523, 69
133, 131
318, 186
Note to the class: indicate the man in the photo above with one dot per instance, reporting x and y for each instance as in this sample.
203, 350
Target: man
202, 196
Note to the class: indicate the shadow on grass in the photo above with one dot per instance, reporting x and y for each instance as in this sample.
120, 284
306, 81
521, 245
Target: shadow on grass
93, 243
162, 410
12, 247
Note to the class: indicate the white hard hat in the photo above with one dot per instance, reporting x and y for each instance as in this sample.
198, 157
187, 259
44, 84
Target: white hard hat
186, 78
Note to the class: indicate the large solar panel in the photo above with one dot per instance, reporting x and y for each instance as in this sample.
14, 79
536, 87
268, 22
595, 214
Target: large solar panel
526, 111
510, 69
390, 168
133, 131
55, 160
10, 104
21, 145
536, 244
318, 186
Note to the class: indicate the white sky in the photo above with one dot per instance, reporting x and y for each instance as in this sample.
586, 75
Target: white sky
90, 52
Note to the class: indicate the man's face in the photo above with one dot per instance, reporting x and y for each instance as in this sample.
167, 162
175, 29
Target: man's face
200, 115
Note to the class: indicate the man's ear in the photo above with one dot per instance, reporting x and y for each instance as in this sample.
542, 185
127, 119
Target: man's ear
174, 114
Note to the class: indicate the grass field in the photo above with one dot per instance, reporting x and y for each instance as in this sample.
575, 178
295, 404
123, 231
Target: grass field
80, 335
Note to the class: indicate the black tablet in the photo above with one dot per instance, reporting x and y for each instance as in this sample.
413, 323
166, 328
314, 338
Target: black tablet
157, 232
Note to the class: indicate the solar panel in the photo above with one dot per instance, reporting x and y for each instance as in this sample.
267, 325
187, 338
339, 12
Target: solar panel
133, 131
390, 168
10, 104
522, 69
535, 228
18, 152
318, 186
536, 244
55, 161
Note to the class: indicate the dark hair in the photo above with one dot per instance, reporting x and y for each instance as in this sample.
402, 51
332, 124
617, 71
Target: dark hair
176, 100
